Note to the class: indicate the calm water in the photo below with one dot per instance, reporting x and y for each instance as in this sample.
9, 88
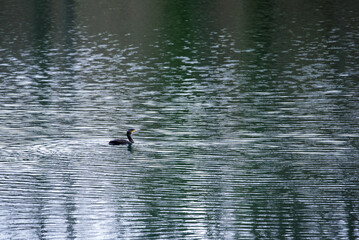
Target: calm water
247, 111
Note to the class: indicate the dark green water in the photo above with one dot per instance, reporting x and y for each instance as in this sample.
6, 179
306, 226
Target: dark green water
247, 111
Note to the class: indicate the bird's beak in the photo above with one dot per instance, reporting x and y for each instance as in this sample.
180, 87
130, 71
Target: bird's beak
133, 130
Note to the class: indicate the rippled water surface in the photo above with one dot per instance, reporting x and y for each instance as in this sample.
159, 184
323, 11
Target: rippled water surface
246, 111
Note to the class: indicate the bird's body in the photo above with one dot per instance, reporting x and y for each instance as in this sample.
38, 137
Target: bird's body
119, 142
123, 141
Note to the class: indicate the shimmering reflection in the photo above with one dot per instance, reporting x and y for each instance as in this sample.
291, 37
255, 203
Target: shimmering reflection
247, 114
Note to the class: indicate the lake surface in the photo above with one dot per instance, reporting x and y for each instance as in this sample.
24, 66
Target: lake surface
247, 115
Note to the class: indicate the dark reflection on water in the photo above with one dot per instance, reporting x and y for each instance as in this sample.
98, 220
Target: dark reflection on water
247, 114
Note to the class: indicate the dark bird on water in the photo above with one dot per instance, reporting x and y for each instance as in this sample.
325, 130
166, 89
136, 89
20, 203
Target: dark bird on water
123, 141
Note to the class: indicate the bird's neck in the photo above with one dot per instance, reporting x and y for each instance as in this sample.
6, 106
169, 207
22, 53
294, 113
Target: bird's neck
130, 137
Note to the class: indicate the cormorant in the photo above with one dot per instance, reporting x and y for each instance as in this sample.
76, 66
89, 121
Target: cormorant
123, 141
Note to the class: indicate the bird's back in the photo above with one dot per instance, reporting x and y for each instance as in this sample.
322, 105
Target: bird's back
118, 142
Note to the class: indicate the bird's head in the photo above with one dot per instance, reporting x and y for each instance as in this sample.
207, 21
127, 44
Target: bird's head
131, 130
